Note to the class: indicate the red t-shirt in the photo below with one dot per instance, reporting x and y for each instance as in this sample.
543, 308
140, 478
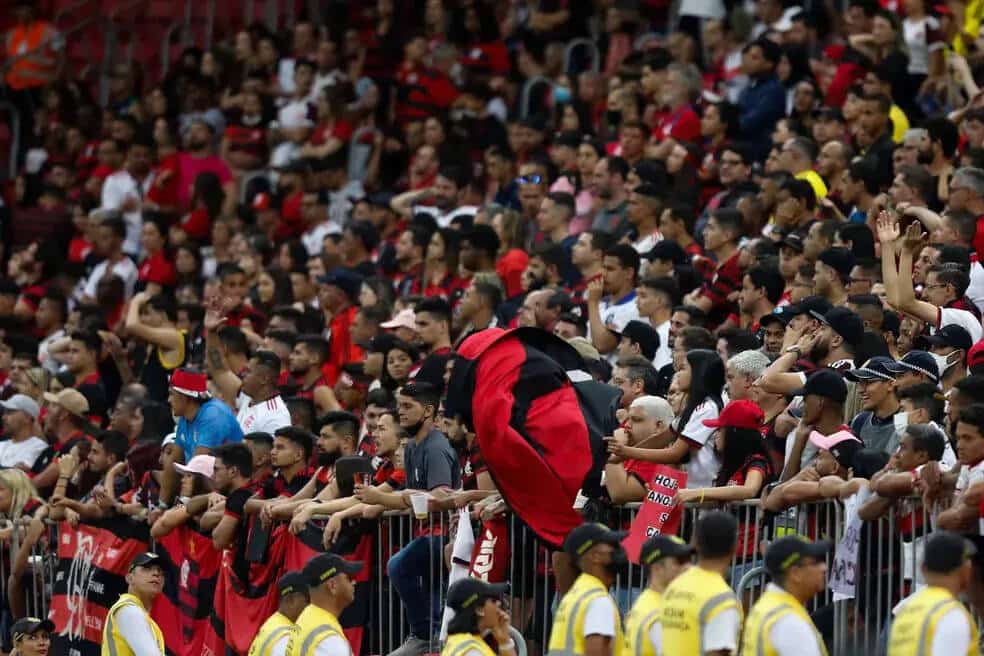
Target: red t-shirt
682, 124
341, 349
158, 269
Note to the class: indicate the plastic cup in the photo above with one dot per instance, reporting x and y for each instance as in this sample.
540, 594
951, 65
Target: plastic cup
419, 502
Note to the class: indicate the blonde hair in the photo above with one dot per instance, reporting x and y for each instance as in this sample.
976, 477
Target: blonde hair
21, 489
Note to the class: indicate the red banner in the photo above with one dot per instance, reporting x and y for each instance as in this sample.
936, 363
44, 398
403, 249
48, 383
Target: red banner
659, 514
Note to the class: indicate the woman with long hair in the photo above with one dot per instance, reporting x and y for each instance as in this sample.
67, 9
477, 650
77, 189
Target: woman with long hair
272, 289
399, 362
31, 636
700, 377
20, 504
156, 270
512, 260
207, 197
440, 275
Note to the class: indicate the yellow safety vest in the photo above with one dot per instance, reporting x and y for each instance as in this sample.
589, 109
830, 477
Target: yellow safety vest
774, 604
276, 627
691, 601
313, 625
645, 612
459, 644
567, 635
113, 643
915, 624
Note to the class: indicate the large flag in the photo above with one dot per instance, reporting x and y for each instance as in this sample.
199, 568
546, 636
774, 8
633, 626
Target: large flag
93, 560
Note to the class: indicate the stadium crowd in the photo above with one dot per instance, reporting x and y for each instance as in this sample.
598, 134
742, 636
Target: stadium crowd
233, 298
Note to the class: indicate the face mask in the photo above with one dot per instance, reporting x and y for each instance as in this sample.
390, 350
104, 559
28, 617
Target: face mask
562, 94
943, 362
619, 561
252, 121
901, 420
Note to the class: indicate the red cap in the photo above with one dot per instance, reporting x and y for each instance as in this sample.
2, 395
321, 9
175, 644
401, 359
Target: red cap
834, 52
261, 201
190, 383
738, 414
975, 356
942, 10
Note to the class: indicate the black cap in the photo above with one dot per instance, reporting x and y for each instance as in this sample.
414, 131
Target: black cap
642, 334
663, 546
840, 259
292, 582
810, 305
324, 566
829, 114
951, 335
26, 626
568, 138
381, 343
826, 383
776, 316
468, 592
788, 551
876, 368
345, 279
667, 250
380, 198
585, 536
793, 240
945, 551
146, 559
845, 323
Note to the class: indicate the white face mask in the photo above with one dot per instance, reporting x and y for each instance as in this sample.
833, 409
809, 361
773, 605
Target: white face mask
943, 362
901, 420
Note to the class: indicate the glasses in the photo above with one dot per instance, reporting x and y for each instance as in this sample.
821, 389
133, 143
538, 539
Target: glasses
529, 179
938, 285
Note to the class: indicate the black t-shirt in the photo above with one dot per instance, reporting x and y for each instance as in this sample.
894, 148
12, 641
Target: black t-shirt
277, 485
236, 502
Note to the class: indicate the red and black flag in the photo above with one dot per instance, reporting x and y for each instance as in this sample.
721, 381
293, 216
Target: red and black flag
93, 561
539, 420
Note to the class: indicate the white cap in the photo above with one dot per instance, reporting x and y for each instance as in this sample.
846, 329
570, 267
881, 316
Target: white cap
200, 465
23, 403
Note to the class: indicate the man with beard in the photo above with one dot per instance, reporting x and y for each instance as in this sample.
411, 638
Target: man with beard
833, 344
477, 308
544, 267
410, 249
305, 362
447, 193
833, 275
608, 183
618, 307
655, 299
833, 160
231, 475
197, 158
532, 312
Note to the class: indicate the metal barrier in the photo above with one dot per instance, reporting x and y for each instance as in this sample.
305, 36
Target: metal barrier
572, 48
874, 566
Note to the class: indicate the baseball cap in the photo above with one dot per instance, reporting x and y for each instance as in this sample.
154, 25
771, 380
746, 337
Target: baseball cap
467, 592
975, 357
292, 582
663, 546
346, 280
829, 114
811, 305
26, 626
569, 138
642, 334
381, 343
839, 259
776, 316
202, 465
667, 250
843, 445
826, 383
946, 551
791, 550
190, 383
70, 399
742, 413
403, 319
324, 566
146, 559
876, 368
585, 536
793, 240
845, 323
23, 403
918, 361
951, 335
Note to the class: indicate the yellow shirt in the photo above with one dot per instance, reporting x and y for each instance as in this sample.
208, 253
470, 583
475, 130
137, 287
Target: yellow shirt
459, 644
774, 604
645, 612
567, 634
900, 123
276, 627
314, 624
113, 643
914, 626
690, 602
972, 24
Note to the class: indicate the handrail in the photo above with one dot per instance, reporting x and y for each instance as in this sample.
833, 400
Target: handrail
15, 136
67, 9
577, 43
524, 97
166, 47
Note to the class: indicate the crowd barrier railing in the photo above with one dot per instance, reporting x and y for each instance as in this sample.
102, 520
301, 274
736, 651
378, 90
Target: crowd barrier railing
873, 566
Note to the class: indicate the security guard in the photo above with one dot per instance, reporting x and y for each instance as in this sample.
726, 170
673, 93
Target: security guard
587, 621
665, 558
701, 614
331, 590
933, 622
778, 623
129, 630
272, 639
478, 611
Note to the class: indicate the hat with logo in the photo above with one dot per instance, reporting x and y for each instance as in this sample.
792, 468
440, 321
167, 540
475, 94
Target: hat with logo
794, 241
742, 413
70, 399
875, 369
844, 322
201, 465
663, 546
585, 536
843, 445
146, 559
327, 565
919, 362
29, 626
789, 551
951, 335
825, 383
23, 403
190, 383
292, 582
468, 592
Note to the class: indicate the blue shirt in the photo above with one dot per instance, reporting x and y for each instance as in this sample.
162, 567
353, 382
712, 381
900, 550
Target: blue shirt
213, 426
760, 105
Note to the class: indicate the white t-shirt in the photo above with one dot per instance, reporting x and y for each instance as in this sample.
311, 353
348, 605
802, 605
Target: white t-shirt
334, 645
615, 314
703, 464
116, 190
444, 218
961, 318
27, 451
599, 619
266, 416
975, 291
664, 355
125, 269
969, 476
132, 624
919, 46
279, 648
793, 636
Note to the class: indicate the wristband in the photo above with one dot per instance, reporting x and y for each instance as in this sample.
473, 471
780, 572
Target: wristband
794, 349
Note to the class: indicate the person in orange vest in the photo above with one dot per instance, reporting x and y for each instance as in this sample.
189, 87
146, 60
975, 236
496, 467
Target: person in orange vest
33, 50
